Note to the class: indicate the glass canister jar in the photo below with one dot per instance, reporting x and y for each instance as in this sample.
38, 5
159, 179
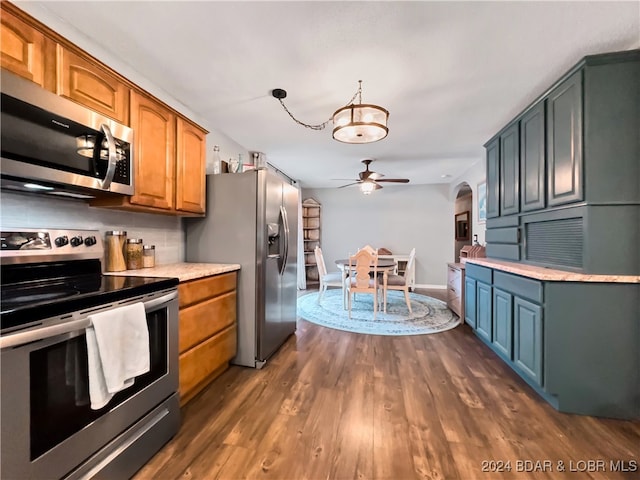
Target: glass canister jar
148, 256
115, 251
134, 253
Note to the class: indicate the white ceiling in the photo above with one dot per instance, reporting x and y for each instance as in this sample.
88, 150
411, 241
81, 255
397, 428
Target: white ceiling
450, 73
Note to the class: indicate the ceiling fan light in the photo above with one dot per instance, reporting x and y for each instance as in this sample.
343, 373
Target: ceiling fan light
361, 123
367, 187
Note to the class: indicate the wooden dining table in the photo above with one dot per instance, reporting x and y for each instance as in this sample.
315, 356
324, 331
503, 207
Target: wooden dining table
385, 265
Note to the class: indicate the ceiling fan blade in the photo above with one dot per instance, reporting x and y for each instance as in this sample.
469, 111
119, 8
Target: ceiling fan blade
378, 187
349, 184
394, 180
375, 175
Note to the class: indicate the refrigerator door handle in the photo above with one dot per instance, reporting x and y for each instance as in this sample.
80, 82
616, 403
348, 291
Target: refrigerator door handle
285, 237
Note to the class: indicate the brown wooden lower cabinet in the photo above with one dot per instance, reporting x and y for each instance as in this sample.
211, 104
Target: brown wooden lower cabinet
208, 333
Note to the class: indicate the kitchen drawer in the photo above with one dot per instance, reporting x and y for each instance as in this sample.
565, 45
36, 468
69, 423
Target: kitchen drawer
204, 319
453, 277
455, 289
521, 286
477, 272
198, 290
203, 362
454, 301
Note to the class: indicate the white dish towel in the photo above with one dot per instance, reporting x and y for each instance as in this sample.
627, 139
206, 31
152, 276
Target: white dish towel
117, 350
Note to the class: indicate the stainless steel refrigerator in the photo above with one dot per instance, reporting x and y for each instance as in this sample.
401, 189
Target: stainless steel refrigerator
252, 219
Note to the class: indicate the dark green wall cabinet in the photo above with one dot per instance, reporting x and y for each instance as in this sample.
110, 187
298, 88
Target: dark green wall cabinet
493, 178
510, 171
562, 177
532, 159
564, 142
575, 343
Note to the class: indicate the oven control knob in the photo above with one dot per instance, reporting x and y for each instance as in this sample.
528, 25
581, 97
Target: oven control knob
75, 241
61, 241
89, 241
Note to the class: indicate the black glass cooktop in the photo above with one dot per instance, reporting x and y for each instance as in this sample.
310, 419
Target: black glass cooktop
35, 292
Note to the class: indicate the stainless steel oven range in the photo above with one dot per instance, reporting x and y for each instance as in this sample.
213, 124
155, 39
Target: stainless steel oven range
51, 283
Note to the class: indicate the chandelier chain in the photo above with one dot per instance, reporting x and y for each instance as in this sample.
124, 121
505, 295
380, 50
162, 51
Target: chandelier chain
321, 126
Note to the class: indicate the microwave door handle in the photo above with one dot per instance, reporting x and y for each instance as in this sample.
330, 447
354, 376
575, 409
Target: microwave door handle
111, 148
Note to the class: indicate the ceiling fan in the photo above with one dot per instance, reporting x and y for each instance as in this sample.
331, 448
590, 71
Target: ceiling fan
370, 180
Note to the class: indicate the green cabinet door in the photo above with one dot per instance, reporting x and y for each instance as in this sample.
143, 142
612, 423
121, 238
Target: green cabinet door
532, 159
502, 322
483, 310
470, 302
510, 171
493, 178
527, 348
564, 142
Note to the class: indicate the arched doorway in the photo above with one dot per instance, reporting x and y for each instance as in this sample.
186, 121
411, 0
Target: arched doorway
463, 224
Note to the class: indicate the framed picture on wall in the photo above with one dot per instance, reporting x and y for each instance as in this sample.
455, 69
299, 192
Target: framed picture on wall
482, 202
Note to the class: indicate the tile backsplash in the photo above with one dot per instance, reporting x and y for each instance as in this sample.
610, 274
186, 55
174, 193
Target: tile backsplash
35, 211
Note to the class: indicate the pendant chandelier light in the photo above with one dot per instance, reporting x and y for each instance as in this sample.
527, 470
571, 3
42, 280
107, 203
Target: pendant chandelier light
353, 123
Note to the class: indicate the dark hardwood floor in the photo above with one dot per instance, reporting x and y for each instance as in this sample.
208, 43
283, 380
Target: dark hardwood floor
337, 405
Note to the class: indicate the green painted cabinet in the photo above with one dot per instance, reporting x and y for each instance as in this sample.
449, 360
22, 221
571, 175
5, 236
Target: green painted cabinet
562, 176
510, 170
564, 142
483, 312
527, 338
470, 302
502, 322
532, 159
493, 178
562, 338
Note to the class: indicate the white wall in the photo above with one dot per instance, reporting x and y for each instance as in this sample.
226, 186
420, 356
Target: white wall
473, 176
19, 210
398, 218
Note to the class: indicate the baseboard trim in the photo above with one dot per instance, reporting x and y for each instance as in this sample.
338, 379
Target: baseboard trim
424, 285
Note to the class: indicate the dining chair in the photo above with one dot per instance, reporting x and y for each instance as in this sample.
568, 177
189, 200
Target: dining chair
360, 265
332, 279
369, 249
399, 282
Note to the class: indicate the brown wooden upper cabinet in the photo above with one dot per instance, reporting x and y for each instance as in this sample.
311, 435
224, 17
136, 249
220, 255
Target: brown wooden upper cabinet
169, 162
26, 51
90, 85
190, 167
154, 127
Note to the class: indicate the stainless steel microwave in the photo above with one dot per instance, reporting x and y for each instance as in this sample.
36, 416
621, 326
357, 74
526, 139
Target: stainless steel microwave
53, 145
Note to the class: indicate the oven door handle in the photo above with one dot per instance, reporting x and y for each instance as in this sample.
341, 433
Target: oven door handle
23, 338
150, 304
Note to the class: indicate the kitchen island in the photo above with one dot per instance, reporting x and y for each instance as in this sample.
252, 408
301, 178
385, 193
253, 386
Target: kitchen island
207, 296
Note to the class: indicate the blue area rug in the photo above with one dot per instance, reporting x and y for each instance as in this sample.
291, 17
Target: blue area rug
429, 314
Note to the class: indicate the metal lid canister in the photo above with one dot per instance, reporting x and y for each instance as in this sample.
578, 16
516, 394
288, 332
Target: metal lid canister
115, 253
148, 256
134, 253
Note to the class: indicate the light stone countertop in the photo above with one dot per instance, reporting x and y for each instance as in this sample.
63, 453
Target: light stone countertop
550, 274
183, 271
